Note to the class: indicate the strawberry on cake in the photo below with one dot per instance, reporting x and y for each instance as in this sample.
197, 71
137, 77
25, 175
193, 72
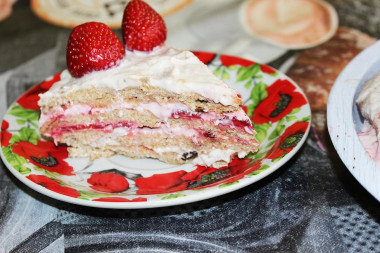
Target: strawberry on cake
143, 98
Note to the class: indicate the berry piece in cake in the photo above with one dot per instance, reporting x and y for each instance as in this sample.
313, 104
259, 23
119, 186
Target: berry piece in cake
91, 47
143, 28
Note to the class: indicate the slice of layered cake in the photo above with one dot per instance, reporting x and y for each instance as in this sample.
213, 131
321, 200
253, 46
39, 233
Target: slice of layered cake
149, 100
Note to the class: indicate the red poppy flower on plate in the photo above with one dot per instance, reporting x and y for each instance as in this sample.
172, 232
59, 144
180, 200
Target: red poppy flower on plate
45, 155
161, 183
199, 178
288, 140
120, 199
282, 99
108, 182
245, 108
53, 185
5, 136
30, 98
235, 170
204, 57
228, 60
267, 69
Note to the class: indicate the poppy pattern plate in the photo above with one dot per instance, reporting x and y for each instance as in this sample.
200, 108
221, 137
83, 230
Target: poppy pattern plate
278, 109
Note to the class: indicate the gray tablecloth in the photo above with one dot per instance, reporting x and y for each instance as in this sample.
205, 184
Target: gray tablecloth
311, 204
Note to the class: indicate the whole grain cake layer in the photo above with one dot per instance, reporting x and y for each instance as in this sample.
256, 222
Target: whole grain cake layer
135, 110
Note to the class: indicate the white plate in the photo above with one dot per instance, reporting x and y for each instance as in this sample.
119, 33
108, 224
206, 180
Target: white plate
344, 120
45, 168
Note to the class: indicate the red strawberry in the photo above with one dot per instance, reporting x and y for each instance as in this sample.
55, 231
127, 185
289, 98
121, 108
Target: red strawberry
91, 47
143, 28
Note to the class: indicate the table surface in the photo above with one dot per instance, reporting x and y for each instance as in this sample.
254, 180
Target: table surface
311, 204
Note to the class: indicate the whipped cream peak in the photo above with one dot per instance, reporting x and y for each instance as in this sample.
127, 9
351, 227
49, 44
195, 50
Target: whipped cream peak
174, 70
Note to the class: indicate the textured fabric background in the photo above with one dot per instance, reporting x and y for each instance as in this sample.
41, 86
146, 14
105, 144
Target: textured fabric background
312, 204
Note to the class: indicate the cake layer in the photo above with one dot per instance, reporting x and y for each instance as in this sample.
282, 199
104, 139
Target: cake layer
174, 145
148, 115
104, 97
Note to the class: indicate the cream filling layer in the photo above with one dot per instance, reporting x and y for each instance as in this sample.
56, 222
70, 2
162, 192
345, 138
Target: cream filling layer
161, 111
205, 159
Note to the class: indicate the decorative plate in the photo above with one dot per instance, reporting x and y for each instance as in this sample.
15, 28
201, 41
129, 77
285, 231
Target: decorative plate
276, 105
344, 120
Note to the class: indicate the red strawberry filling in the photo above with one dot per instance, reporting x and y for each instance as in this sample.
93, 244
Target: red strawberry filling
132, 129
223, 122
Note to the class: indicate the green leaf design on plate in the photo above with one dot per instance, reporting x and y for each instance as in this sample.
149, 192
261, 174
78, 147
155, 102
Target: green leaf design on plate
250, 109
16, 161
280, 127
248, 84
290, 118
278, 158
174, 196
228, 184
259, 155
250, 155
37, 168
225, 75
306, 119
218, 70
33, 124
25, 134
52, 175
246, 73
21, 112
262, 168
270, 144
83, 198
255, 156
258, 93
200, 189
232, 67
273, 74
262, 131
21, 121
89, 195
295, 110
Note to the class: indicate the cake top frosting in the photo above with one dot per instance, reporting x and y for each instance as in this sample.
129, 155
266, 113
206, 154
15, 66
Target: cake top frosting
174, 70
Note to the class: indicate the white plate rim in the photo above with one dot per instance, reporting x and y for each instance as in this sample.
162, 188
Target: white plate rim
341, 122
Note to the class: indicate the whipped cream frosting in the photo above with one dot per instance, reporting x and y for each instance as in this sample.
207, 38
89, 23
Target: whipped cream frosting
165, 67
